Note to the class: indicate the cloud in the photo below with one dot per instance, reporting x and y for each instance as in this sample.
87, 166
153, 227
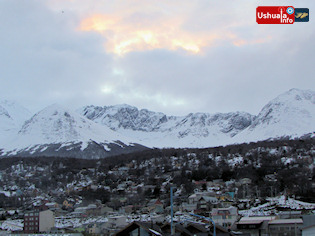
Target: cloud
123, 37
44, 59
173, 25
176, 56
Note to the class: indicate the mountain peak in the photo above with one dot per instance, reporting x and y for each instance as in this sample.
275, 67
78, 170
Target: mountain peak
60, 127
294, 95
290, 114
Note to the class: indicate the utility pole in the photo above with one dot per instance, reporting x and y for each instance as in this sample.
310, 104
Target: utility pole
172, 213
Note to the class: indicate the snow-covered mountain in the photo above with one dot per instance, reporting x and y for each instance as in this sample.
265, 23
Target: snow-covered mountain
59, 131
12, 116
94, 132
156, 129
290, 114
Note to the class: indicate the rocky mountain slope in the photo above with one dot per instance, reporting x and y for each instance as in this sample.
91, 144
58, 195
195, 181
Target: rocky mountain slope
59, 131
156, 129
95, 132
292, 114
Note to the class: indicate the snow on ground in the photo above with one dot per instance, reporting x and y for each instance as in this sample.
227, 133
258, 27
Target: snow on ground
66, 222
270, 207
12, 225
236, 161
6, 193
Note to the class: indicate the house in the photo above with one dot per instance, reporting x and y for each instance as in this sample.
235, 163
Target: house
140, 229
115, 222
46, 221
52, 206
66, 204
288, 227
225, 216
80, 212
93, 210
194, 198
188, 207
155, 205
94, 229
206, 203
254, 226
150, 229
179, 229
38, 221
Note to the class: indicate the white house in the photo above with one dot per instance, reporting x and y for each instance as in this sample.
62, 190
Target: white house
46, 221
225, 216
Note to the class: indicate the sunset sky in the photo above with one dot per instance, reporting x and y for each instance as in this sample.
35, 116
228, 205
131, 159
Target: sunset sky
173, 56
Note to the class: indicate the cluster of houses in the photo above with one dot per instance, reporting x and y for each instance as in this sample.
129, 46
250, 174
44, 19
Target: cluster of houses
154, 219
227, 222
139, 204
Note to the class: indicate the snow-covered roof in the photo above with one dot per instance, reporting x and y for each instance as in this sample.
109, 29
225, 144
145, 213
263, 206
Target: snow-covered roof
286, 221
256, 220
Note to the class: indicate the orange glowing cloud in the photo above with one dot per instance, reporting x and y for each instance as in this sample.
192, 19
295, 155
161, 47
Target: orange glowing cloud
123, 37
131, 29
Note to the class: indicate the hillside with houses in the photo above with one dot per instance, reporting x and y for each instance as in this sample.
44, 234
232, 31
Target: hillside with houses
248, 188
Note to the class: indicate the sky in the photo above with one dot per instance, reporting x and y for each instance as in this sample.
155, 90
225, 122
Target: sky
171, 56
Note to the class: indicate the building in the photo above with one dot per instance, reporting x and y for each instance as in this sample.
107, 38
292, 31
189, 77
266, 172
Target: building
116, 222
150, 229
155, 205
288, 227
206, 203
140, 229
38, 221
31, 222
225, 216
46, 221
254, 226
308, 231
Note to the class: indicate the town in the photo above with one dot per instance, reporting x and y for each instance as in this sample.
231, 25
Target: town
264, 188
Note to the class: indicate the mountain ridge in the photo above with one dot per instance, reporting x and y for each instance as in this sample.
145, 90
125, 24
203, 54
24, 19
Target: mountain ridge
56, 129
95, 128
